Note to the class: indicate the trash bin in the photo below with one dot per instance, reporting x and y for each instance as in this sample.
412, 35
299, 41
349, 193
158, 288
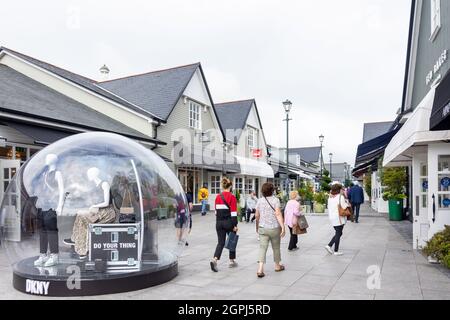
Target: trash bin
396, 210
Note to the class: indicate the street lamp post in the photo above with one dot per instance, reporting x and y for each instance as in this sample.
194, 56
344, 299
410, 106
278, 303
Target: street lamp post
331, 166
287, 108
321, 138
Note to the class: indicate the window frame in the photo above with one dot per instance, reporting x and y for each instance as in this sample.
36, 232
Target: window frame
195, 115
435, 18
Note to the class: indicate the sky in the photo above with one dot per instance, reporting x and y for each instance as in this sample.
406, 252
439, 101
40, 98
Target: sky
341, 63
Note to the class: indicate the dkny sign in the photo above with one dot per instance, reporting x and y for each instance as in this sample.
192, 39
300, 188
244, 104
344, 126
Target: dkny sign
37, 287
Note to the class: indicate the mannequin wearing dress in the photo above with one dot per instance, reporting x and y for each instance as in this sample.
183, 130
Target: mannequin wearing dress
47, 215
102, 212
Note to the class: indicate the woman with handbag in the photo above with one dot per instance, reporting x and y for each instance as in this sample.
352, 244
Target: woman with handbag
338, 211
226, 222
291, 214
270, 227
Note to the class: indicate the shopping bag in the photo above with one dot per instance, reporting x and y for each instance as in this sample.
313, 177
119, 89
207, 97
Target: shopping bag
231, 242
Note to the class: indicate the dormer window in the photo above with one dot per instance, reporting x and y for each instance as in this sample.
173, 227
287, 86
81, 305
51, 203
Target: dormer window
435, 18
195, 120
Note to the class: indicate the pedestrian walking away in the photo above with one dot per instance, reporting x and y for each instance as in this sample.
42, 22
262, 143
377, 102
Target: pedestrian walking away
226, 222
203, 195
356, 198
291, 214
336, 198
251, 206
270, 227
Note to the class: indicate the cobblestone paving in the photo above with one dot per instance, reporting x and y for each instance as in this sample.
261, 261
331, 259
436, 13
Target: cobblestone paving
311, 274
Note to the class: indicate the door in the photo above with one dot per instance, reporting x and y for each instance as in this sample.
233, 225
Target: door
420, 203
11, 201
439, 187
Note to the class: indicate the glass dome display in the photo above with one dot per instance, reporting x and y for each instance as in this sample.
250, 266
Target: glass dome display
93, 213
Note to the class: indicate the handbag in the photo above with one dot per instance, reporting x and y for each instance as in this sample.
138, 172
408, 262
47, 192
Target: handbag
297, 230
231, 242
302, 222
347, 212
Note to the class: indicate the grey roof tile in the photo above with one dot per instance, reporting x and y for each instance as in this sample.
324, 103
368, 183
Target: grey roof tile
84, 82
233, 115
375, 129
22, 95
157, 91
309, 154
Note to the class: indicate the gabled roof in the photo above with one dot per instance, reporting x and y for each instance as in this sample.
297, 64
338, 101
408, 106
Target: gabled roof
23, 96
157, 92
233, 115
376, 129
309, 154
79, 80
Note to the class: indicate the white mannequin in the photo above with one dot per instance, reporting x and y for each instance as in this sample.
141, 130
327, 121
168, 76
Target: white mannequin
93, 175
50, 162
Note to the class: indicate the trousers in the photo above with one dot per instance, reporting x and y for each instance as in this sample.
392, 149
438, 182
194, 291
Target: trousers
48, 231
223, 228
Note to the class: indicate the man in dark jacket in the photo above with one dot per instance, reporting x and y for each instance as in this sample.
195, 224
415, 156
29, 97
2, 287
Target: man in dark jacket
356, 197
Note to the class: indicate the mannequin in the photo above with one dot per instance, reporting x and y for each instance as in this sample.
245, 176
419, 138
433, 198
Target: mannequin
102, 212
47, 215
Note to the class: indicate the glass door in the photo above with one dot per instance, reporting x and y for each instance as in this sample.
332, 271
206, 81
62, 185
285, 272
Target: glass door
11, 200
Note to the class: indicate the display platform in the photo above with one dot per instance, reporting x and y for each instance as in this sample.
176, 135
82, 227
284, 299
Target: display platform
70, 278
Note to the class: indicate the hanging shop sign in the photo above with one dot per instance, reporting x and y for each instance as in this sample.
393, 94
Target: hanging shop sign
437, 66
257, 153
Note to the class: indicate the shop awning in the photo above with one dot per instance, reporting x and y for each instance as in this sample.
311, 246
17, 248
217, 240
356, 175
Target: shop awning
251, 167
303, 175
440, 116
40, 135
414, 133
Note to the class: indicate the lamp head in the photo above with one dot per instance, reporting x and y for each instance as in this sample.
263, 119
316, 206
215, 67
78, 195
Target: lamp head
287, 106
321, 138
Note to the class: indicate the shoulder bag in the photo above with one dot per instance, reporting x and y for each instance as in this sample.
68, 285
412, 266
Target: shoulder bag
127, 210
347, 212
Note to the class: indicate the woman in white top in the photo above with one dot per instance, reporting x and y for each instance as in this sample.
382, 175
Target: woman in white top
337, 221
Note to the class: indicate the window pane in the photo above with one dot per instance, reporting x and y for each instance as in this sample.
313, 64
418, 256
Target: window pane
6, 152
424, 201
444, 183
21, 154
424, 171
6, 173
444, 201
444, 162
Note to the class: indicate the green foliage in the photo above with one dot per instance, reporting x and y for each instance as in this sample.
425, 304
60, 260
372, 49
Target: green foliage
394, 181
321, 197
325, 181
368, 183
237, 194
306, 192
347, 183
439, 247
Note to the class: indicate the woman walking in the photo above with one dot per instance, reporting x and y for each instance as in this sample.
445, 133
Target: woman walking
291, 214
337, 221
226, 222
270, 227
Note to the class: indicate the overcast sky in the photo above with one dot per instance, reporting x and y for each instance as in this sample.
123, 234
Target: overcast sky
341, 63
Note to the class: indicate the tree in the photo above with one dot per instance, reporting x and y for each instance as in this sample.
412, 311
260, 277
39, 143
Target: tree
325, 181
368, 183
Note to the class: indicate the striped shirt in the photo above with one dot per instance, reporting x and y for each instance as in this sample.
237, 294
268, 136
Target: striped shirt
222, 210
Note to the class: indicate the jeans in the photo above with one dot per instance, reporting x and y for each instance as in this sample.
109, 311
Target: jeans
356, 207
204, 203
337, 238
274, 237
48, 231
223, 228
249, 213
293, 240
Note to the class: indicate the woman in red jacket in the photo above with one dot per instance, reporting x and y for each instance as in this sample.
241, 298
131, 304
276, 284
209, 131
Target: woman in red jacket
226, 222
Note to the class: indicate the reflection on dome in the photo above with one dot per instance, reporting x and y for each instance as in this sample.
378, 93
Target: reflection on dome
95, 205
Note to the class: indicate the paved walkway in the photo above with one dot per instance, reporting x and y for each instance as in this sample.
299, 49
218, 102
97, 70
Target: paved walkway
310, 272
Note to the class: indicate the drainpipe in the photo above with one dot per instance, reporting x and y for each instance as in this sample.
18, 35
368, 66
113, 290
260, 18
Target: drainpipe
155, 136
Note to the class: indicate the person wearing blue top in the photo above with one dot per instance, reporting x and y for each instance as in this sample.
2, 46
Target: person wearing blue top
356, 197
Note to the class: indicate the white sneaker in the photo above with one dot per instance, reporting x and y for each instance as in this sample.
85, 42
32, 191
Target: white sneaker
53, 260
338, 254
41, 260
328, 248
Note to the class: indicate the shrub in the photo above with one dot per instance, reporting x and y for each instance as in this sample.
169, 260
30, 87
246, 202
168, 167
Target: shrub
321, 197
439, 246
394, 179
306, 192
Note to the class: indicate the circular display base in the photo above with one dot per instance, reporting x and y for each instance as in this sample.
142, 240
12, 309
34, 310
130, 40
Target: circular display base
68, 279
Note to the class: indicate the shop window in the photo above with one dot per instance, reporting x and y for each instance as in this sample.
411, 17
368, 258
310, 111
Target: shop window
239, 185
21, 154
424, 185
6, 152
444, 182
215, 184
248, 185
33, 152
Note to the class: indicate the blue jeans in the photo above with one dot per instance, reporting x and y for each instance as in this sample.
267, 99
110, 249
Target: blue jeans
204, 203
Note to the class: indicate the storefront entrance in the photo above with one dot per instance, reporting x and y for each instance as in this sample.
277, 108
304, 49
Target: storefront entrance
191, 181
420, 201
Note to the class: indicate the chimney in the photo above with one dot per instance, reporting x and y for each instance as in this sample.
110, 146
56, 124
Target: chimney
104, 73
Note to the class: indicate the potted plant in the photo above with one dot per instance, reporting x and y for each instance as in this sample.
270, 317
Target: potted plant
306, 193
162, 210
394, 180
320, 200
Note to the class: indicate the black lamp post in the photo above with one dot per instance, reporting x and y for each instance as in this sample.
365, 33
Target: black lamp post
321, 138
287, 108
331, 166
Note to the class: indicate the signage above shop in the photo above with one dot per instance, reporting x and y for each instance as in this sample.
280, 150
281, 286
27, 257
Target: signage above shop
437, 66
257, 153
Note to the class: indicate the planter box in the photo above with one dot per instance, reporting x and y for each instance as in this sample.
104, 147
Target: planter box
319, 208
